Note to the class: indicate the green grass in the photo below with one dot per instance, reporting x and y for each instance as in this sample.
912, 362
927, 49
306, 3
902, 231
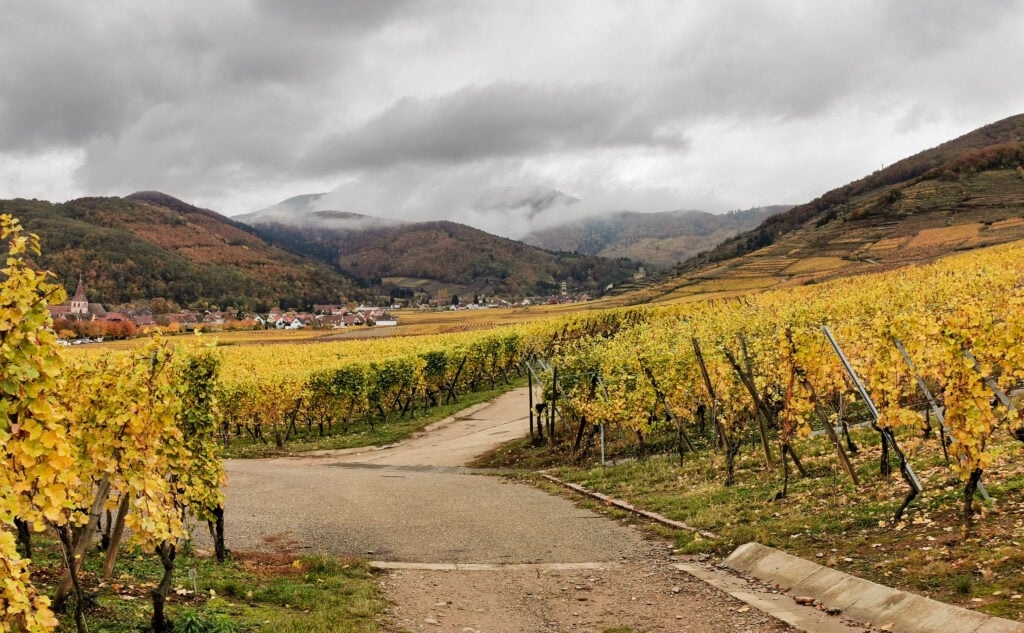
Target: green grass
253, 592
358, 435
824, 517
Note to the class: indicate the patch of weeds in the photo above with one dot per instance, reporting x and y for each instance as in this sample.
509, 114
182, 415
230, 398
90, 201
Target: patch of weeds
229, 587
191, 621
250, 592
963, 584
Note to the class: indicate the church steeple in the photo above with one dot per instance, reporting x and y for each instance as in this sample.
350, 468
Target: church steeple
80, 303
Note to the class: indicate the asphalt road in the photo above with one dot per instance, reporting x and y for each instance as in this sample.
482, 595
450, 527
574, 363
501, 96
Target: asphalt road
413, 503
462, 551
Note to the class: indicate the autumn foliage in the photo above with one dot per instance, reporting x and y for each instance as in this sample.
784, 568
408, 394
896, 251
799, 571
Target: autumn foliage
125, 431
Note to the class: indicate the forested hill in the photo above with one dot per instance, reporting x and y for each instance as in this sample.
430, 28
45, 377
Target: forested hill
979, 175
962, 194
417, 256
150, 245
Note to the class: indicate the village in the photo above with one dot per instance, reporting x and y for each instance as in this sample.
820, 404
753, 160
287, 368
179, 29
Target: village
79, 321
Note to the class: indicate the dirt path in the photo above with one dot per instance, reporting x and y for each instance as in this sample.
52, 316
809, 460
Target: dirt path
467, 552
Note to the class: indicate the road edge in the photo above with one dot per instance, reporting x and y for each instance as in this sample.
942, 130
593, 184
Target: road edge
880, 606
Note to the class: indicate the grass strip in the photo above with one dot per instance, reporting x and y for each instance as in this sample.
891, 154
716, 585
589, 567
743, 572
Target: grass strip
253, 591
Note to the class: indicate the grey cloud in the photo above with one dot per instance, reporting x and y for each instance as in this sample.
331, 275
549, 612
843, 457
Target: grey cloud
212, 98
497, 120
51, 94
790, 59
193, 147
335, 15
73, 73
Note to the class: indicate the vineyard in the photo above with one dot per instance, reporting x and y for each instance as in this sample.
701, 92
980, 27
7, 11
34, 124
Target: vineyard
129, 442
132, 433
927, 351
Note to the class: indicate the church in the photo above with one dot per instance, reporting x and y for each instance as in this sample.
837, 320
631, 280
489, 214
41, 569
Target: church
79, 308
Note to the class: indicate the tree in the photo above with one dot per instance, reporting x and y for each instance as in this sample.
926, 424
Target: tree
159, 305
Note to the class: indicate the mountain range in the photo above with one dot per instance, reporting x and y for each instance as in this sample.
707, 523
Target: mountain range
414, 258
426, 258
657, 239
963, 194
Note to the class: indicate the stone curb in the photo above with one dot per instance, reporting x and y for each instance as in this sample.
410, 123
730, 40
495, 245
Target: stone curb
622, 505
861, 599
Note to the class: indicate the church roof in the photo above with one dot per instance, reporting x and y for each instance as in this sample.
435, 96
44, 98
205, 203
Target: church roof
80, 292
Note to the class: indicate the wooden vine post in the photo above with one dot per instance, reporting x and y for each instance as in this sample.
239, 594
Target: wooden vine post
711, 393
732, 448
551, 407
830, 430
887, 436
767, 414
764, 414
529, 383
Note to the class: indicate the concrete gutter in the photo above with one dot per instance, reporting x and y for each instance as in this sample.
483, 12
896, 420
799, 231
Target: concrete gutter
622, 505
764, 598
859, 599
384, 564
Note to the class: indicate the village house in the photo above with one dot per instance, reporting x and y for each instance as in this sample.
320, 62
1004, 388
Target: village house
213, 318
141, 318
330, 320
354, 318
289, 323
185, 320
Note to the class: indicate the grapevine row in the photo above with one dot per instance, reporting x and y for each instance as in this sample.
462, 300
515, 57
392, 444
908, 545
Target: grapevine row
268, 398
132, 433
762, 364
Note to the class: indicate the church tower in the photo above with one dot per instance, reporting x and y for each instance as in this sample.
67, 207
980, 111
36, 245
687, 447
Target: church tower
80, 303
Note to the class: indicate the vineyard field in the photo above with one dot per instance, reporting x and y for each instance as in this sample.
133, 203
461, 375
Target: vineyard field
738, 389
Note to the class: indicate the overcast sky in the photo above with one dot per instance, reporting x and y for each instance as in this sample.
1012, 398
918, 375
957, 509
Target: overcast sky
417, 109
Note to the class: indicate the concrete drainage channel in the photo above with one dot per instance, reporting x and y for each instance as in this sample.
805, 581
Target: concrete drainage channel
818, 599
878, 606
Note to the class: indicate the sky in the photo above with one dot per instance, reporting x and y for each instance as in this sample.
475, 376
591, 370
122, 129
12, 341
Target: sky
429, 109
